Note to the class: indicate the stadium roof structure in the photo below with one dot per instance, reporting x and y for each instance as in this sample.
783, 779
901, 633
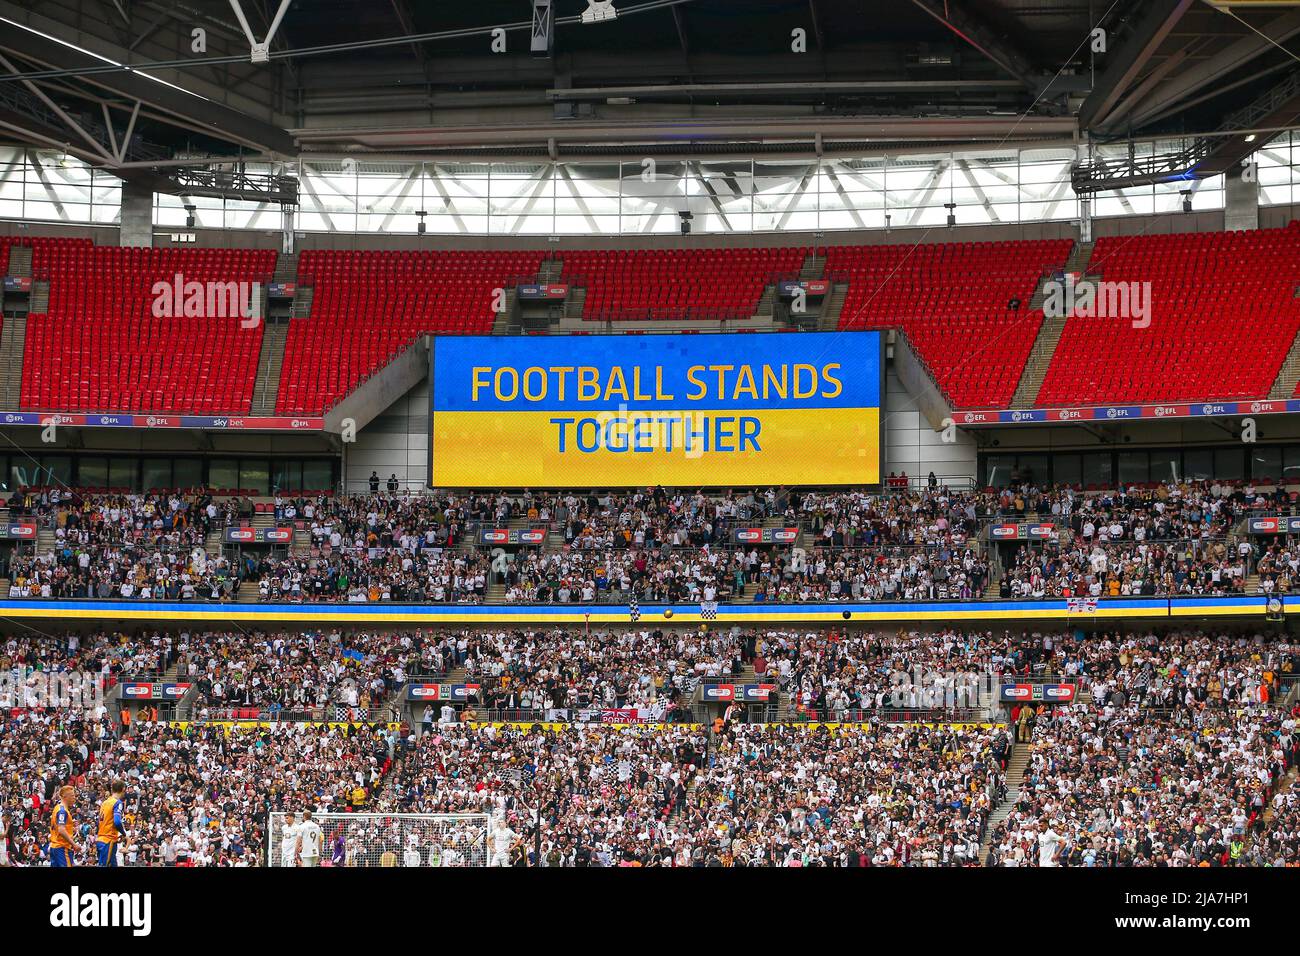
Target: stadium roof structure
137, 87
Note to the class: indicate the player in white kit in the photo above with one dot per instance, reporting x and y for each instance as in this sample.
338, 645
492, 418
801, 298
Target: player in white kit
289, 840
501, 840
310, 838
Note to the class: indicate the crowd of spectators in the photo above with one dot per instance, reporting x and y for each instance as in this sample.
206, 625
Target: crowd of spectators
1171, 758
127, 545
661, 545
196, 794
1102, 570
312, 674
1125, 786
1171, 755
559, 674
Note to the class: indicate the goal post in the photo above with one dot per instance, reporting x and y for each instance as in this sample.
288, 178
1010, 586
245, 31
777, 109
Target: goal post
386, 839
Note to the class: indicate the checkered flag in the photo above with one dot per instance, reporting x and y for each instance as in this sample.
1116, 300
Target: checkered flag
709, 610
633, 609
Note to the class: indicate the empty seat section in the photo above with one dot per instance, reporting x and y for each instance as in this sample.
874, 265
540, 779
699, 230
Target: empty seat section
676, 284
367, 306
107, 342
1223, 315
954, 301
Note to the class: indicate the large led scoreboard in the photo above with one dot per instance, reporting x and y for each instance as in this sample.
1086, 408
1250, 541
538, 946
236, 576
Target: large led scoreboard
641, 410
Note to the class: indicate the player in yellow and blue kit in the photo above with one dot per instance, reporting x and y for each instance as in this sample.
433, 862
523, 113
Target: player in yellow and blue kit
111, 827
61, 841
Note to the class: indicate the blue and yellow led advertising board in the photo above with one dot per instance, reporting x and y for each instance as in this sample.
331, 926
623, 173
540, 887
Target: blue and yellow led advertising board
642, 410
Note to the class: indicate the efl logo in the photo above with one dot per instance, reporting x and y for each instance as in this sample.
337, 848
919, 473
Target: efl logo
77, 910
425, 691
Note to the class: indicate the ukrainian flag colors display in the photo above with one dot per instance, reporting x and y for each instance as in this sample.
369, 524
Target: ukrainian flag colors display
639, 410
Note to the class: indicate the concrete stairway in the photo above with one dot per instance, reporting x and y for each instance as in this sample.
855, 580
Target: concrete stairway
1015, 777
832, 307
13, 335
286, 268
813, 267
765, 302
1080, 257
550, 271
20, 261
1040, 357
269, 364
39, 303
1288, 376
574, 304
301, 306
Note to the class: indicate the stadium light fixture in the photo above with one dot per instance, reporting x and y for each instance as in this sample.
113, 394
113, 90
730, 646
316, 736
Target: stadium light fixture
686, 217
1187, 199
419, 229
952, 212
599, 11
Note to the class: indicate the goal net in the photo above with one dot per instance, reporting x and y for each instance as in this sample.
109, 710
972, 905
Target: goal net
386, 839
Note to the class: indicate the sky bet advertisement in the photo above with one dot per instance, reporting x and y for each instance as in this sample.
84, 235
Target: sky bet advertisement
640, 410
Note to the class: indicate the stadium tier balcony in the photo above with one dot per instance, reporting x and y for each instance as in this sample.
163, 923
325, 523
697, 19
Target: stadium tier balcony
368, 306
675, 284
1223, 316
104, 346
965, 307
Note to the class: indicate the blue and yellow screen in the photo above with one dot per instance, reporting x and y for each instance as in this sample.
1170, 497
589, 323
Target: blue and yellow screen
641, 410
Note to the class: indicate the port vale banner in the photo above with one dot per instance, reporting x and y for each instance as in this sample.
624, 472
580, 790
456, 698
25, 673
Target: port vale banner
640, 410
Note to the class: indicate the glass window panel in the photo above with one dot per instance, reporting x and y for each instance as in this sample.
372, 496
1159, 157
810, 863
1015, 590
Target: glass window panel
1067, 469
1266, 463
92, 472
998, 469
1134, 467
123, 472
255, 474
156, 473
286, 475
187, 472
1166, 465
1228, 463
1097, 470
56, 470
1198, 464
223, 473
317, 474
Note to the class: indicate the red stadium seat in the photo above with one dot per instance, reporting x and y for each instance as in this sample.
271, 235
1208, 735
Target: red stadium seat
1223, 316
952, 301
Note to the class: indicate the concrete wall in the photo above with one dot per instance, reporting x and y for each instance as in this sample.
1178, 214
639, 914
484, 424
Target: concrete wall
912, 446
396, 442
137, 216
